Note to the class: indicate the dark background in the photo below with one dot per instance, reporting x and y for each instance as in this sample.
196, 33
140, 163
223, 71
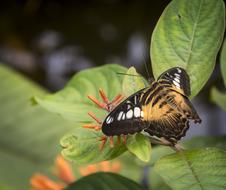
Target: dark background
49, 41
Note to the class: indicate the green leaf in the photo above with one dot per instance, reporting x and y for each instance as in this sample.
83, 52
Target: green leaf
140, 146
104, 181
223, 61
82, 147
72, 102
156, 182
132, 82
193, 143
218, 98
131, 166
29, 136
189, 34
203, 169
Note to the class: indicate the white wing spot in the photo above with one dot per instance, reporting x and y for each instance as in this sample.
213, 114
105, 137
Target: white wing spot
123, 116
129, 114
142, 114
177, 75
136, 112
120, 116
177, 80
108, 120
179, 70
176, 84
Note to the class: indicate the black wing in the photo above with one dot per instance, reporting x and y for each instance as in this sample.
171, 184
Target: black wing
126, 118
178, 77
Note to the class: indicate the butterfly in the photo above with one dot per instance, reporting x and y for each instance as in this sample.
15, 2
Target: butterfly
162, 109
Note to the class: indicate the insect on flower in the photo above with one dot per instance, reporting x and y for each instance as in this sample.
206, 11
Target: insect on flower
162, 109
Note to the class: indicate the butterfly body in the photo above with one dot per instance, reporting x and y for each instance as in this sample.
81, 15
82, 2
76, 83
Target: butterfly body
162, 109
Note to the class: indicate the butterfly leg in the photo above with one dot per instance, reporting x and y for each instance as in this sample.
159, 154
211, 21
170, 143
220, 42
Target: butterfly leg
174, 145
163, 141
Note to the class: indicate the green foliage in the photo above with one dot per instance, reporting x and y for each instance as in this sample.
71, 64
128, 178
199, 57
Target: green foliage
132, 167
218, 98
132, 82
82, 146
193, 143
156, 182
140, 146
104, 181
203, 169
29, 136
72, 102
223, 61
189, 34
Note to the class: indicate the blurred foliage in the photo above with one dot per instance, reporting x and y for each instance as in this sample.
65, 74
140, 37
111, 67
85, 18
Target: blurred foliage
29, 136
223, 61
108, 181
218, 97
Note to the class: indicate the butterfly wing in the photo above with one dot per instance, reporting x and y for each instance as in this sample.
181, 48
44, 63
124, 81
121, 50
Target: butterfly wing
180, 90
126, 118
168, 111
172, 127
177, 77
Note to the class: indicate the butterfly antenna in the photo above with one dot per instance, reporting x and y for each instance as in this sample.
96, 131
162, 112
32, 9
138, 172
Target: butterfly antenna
146, 69
128, 74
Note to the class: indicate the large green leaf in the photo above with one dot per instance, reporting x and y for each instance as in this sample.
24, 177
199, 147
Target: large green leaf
140, 146
72, 102
29, 136
218, 98
193, 143
189, 34
223, 61
202, 169
104, 181
82, 146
